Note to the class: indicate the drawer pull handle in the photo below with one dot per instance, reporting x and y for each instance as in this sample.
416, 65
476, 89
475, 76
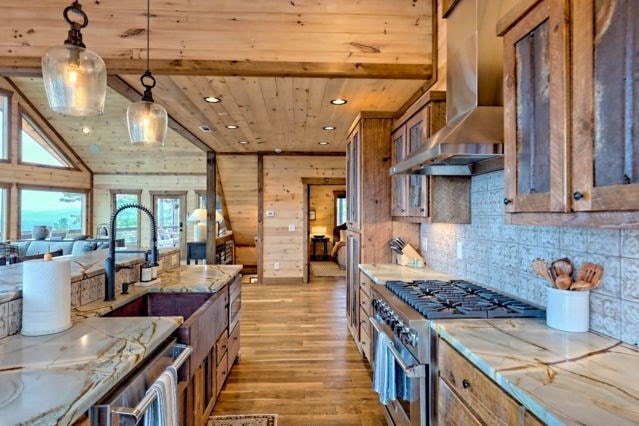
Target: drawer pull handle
577, 195
507, 201
465, 384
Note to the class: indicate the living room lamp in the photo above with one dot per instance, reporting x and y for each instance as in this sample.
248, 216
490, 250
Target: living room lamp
74, 77
199, 229
147, 120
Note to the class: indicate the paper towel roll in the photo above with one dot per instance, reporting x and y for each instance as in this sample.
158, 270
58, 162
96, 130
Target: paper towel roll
46, 296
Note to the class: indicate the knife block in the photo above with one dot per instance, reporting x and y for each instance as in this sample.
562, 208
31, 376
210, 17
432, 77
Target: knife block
409, 257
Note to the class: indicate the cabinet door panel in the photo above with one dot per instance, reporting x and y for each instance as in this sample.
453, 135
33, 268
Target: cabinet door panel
417, 195
606, 99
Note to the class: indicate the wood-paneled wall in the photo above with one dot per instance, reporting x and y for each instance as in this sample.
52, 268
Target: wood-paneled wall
283, 194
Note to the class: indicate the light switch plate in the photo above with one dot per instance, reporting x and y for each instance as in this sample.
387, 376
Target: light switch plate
291, 228
460, 250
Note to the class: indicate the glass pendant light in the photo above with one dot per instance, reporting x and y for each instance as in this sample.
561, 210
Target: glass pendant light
147, 120
74, 76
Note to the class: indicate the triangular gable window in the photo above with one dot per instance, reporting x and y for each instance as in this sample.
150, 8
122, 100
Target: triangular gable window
36, 148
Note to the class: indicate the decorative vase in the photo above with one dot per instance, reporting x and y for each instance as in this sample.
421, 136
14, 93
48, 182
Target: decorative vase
568, 310
40, 232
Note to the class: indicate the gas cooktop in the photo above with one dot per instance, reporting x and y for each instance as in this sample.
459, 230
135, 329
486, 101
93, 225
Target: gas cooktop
460, 299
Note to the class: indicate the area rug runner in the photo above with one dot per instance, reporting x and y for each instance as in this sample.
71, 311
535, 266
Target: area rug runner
243, 420
327, 269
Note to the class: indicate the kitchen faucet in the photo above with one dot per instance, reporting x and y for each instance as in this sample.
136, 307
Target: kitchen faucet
110, 268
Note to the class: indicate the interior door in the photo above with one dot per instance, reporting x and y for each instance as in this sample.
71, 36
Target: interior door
169, 210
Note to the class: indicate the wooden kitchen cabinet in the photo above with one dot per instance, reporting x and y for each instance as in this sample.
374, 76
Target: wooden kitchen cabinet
465, 395
410, 193
571, 125
365, 312
368, 197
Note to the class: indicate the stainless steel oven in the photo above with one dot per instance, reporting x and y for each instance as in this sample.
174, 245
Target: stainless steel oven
401, 315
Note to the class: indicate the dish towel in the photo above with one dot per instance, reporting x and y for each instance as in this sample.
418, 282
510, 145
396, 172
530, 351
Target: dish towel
163, 410
384, 370
403, 383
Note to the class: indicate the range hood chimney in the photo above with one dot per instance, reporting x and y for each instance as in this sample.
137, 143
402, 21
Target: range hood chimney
474, 129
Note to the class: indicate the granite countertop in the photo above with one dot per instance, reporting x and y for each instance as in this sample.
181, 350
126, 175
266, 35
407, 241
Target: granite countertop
561, 377
54, 379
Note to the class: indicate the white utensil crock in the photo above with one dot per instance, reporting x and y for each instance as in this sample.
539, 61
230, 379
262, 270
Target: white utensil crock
568, 310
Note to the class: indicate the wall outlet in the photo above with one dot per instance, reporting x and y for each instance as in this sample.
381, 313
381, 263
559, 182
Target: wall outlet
460, 250
270, 213
291, 228
276, 266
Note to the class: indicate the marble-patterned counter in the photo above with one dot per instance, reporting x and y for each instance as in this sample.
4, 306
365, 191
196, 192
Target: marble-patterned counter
194, 278
562, 377
382, 272
54, 379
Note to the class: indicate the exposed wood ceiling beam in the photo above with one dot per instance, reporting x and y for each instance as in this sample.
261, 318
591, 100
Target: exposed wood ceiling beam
123, 88
31, 66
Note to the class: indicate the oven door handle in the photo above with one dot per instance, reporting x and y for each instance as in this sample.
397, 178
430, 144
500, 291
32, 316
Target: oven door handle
417, 371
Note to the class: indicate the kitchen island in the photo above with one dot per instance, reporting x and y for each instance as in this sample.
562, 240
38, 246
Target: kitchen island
54, 379
559, 377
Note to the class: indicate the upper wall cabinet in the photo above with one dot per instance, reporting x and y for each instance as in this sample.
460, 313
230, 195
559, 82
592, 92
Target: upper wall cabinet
571, 104
410, 193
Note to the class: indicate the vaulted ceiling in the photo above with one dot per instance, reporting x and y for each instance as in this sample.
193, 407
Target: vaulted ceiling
274, 63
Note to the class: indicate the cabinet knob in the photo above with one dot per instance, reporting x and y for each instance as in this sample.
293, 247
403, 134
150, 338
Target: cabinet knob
577, 195
507, 201
421, 210
465, 384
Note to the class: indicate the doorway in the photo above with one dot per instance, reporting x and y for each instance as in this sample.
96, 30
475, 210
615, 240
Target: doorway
324, 201
169, 209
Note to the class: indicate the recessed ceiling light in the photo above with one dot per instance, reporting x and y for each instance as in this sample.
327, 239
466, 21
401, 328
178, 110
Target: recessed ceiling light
212, 99
86, 130
338, 101
232, 126
204, 128
329, 127
278, 150
323, 143
243, 142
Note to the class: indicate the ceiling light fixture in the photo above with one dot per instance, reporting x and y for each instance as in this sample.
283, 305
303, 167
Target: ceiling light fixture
232, 126
147, 120
74, 77
212, 99
243, 142
329, 127
86, 130
204, 128
338, 101
323, 143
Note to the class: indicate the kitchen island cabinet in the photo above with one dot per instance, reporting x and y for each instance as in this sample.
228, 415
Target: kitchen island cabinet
570, 86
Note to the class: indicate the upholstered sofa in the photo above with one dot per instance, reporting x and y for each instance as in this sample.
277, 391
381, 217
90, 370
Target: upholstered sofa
22, 248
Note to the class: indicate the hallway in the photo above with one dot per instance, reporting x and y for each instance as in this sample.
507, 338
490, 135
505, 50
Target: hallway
298, 360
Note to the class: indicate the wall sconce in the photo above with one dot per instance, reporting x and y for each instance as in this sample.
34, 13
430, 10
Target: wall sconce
199, 229
74, 77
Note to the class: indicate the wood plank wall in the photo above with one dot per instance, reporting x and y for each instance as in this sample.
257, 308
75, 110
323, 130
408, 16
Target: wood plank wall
283, 195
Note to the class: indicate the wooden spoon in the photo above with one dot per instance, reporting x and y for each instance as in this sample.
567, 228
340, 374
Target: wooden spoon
588, 277
540, 267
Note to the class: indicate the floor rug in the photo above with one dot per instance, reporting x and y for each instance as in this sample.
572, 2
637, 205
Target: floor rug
327, 269
243, 420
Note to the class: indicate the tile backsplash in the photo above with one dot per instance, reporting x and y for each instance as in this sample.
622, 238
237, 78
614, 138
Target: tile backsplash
493, 253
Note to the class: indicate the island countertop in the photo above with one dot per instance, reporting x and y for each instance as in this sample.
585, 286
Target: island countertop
54, 379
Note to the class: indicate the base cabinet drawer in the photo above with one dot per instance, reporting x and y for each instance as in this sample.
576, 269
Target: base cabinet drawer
365, 333
221, 346
450, 409
221, 374
234, 346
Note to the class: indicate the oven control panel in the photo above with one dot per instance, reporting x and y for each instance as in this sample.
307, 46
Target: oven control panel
404, 333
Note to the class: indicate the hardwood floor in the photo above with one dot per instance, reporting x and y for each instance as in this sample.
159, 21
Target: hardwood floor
298, 360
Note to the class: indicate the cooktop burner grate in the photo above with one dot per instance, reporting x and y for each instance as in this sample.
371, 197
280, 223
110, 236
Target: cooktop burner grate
460, 299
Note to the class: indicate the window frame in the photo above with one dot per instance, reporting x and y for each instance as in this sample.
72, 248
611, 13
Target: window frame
5, 211
85, 209
5, 134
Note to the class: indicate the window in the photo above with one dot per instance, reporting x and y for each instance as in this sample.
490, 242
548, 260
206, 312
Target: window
3, 213
62, 212
36, 148
4, 126
340, 208
127, 224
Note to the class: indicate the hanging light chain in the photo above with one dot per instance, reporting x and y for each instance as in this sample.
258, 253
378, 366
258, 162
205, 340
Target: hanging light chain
148, 37
74, 37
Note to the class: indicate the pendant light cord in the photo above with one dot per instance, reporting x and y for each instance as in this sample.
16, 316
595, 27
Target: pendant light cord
148, 34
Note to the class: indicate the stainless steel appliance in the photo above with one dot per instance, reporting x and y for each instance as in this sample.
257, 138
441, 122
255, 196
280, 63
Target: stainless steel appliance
402, 310
128, 403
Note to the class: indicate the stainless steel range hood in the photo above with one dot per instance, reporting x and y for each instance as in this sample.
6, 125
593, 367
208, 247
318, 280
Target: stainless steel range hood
474, 98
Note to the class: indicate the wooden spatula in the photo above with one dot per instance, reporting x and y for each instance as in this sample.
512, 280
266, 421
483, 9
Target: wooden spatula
588, 277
